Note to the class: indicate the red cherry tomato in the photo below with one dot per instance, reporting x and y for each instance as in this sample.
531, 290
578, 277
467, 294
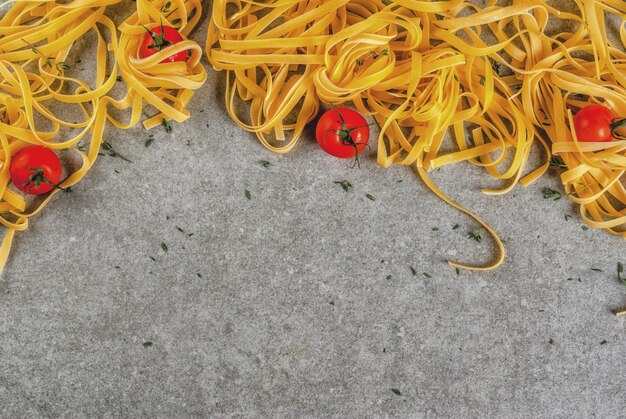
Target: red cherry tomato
161, 37
593, 123
35, 170
342, 133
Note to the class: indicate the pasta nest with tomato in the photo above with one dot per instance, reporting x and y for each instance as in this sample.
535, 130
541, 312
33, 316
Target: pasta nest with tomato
558, 76
399, 62
35, 42
38, 45
164, 83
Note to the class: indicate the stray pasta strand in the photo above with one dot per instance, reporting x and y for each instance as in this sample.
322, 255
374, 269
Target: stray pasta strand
400, 62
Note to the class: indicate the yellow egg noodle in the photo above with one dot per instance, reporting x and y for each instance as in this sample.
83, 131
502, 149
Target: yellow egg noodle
36, 38
586, 68
559, 74
165, 86
422, 69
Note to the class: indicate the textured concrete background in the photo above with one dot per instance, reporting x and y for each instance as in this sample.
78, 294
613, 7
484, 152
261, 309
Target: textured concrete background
301, 300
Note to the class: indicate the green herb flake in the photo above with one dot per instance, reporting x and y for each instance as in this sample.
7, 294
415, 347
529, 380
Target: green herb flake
166, 125
166, 7
495, 66
454, 227
164, 247
567, 217
359, 62
551, 341
475, 235
118, 78
108, 147
247, 194
549, 193
370, 197
427, 275
176, 21
556, 162
435, 229
413, 271
265, 163
585, 228
389, 277
604, 342
61, 66
149, 142
147, 344
345, 185
396, 392
597, 269
620, 272
458, 272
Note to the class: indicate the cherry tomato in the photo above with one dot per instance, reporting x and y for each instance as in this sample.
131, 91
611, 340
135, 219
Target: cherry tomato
161, 37
342, 133
35, 170
593, 123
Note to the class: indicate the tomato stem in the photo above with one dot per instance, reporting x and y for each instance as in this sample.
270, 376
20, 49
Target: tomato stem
159, 39
38, 177
615, 125
346, 138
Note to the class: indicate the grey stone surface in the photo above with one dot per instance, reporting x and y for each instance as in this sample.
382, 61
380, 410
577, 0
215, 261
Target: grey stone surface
281, 305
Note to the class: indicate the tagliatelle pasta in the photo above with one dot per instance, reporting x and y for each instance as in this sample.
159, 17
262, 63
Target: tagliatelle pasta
165, 86
36, 38
588, 68
558, 74
494, 80
423, 70
391, 61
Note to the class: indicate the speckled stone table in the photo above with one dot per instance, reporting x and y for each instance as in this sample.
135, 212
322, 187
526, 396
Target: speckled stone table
302, 299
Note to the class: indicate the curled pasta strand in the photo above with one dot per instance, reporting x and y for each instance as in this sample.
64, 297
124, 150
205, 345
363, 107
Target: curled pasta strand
36, 37
401, 62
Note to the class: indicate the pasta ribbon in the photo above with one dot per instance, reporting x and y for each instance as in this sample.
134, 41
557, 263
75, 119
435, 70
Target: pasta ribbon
36, 38
563, 73
167, 86
402, 62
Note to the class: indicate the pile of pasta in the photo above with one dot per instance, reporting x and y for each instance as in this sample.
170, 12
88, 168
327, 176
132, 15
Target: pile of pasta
497, 78
165, 86
36, 39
